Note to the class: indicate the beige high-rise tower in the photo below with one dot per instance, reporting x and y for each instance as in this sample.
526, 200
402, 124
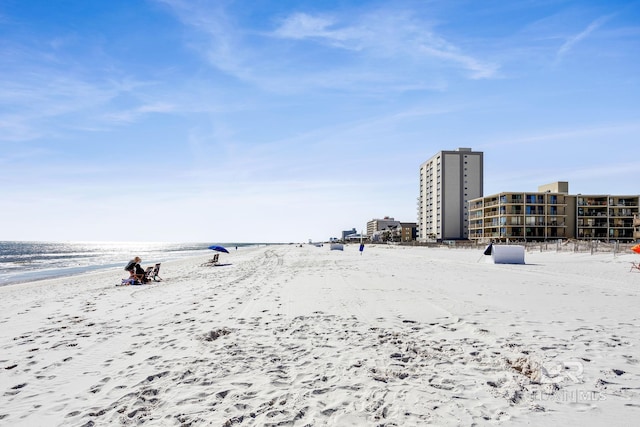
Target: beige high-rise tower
448, 180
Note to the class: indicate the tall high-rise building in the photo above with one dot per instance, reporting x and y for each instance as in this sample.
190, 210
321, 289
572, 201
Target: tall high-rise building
448, 180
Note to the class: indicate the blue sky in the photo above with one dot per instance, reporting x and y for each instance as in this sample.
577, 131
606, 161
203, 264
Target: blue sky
280, 121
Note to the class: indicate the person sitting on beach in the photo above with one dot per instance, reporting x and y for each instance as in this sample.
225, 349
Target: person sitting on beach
136, 272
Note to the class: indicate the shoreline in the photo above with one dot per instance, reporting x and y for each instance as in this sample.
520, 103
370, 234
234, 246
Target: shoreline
305, 335
38, 268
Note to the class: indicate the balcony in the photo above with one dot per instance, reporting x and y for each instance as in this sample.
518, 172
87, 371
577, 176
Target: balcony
583, 203
591, 212
621, 212
616, 233
511, 200
513, 212
535, 200
632, 202
593, 225
621, 224
592, 201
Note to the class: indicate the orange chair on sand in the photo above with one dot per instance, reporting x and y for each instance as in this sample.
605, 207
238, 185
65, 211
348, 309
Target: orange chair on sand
635, 249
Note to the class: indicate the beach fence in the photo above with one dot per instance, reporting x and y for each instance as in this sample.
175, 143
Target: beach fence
571, 245
581, 246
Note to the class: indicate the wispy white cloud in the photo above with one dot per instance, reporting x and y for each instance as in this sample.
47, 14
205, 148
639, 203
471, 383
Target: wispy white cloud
386, 34
16, 128
222, 45
341, 147
40, 99
29, 103
571, 41
595, 132
46, 88
477, 69
355, 53
302, 25
132, 115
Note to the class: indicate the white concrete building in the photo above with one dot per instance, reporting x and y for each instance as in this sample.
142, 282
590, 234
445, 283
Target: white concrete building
448, 180
377, 224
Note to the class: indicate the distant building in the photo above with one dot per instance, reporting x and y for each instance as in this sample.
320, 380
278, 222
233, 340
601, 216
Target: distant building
448, 180
551, 213
383, 224
548, 213
347, 233
393, 231
606, 217
356, 237
408, 231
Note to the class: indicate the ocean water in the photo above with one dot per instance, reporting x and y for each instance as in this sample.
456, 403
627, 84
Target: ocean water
28, 261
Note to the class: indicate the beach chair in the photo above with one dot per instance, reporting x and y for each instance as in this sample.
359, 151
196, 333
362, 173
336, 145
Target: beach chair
147, 275
212, 262
152, 273
634, 266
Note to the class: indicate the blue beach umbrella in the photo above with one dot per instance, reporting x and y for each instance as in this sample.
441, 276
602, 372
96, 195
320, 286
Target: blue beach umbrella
218, 248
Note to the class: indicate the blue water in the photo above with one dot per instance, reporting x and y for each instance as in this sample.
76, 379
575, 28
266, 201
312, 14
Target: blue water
28, 261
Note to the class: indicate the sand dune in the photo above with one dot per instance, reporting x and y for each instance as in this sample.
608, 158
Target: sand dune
287, 335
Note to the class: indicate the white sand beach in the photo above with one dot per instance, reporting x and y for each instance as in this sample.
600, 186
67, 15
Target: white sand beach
305, 336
